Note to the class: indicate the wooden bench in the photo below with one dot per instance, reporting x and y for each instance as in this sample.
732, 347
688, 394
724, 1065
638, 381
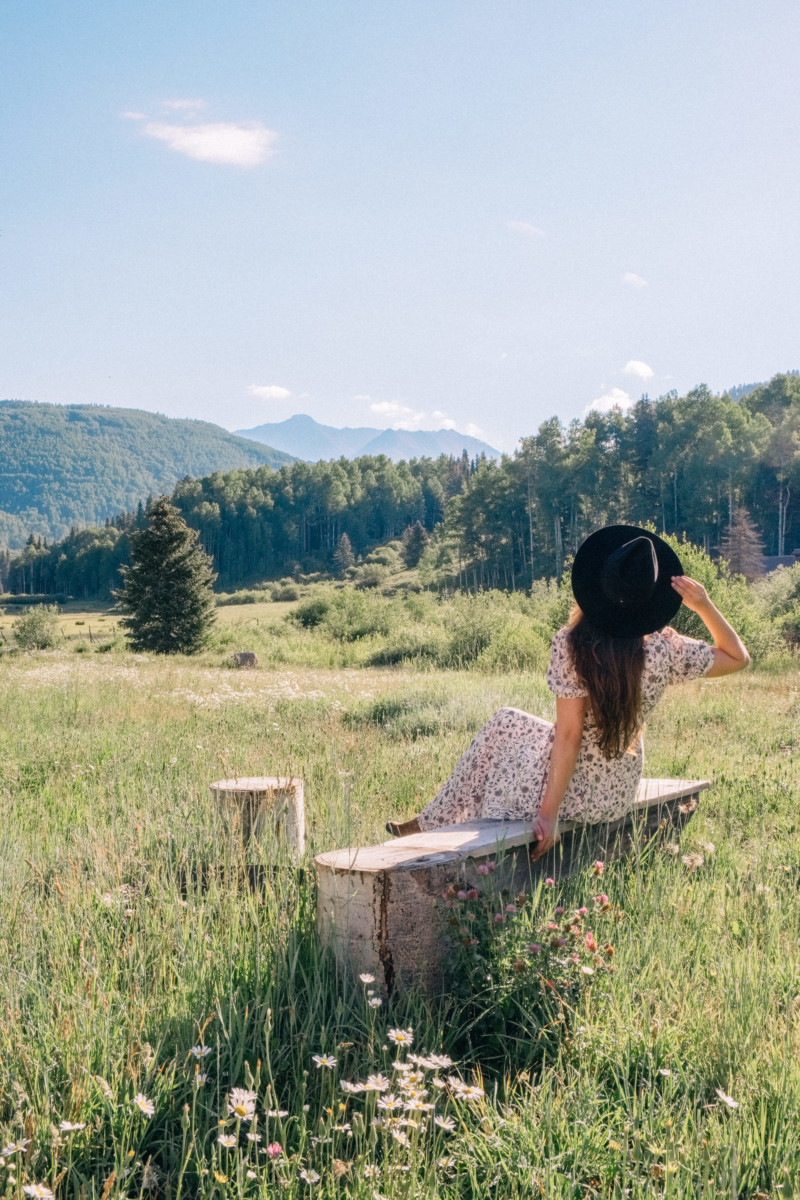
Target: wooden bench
380, 908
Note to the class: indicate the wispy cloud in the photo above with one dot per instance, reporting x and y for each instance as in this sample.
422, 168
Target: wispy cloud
131, 115
613, 398
634, 281
246, 144
269, 391
635, 366
525, 228
402, 416
183, 105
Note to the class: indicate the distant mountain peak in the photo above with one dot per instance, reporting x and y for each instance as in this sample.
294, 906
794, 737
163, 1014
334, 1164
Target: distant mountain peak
305, 438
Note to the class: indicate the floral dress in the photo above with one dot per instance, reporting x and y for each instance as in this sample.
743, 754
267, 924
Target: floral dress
504, 771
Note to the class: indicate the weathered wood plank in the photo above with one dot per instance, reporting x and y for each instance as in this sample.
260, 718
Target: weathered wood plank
380, 907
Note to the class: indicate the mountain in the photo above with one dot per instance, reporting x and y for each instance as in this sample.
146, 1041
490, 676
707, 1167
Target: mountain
305, 438
77, 464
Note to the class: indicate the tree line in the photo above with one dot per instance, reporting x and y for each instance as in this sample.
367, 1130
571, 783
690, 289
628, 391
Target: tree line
684, 464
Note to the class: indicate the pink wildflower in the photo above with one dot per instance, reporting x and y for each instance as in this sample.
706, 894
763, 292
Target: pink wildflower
473, 894
598, 867
499, 918
482, 869
591, 944
511, 908
583, 911
560, 910
274, 1150
535, 948
602, 898
461, 894
549, 882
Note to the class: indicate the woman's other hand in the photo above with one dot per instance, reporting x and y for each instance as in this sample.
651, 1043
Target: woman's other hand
545, 833
692, 593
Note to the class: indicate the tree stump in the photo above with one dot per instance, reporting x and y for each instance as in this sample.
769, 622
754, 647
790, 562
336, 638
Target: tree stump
380, 908
251, 805
245, 659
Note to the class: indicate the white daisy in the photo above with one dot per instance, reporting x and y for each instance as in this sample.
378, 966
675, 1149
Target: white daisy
445, 1123
227, 1140
377, 1083
324, 1060
242, 1104
38, 1190
309, 1176
200, 1051
401, 1037
144, 1105
366, 978
72, 1127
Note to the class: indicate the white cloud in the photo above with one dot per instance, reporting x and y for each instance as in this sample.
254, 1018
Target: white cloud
473, 430
633, 280
613, 398
243, 144
525, 228
641, 370
402, 417
183, 105
269, 391
131, 115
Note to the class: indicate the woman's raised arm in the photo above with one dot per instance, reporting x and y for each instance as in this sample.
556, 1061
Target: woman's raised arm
730, 654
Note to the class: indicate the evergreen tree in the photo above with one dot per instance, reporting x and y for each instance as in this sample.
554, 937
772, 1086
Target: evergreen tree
166, 591
343, 556
415, 539
742, 547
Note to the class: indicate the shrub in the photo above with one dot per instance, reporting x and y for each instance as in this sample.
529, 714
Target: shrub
518, 647
420, 643
352, 615
36, 629
286, 592
312, 612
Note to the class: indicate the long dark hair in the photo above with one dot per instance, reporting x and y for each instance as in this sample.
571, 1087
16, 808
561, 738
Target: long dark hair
610, 668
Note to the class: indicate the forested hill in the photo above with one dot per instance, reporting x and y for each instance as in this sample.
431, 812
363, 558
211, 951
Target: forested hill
66, 465
684, 464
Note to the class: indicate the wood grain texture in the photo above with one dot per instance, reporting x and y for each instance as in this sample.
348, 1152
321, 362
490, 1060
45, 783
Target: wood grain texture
381, 908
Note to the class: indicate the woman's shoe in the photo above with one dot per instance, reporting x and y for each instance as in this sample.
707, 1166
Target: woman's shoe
403, 828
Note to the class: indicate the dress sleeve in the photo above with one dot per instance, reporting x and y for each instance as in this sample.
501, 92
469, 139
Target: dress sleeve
562, 678
689, 658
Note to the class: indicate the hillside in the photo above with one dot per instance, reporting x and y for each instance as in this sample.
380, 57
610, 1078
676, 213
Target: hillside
65, 465
306, 438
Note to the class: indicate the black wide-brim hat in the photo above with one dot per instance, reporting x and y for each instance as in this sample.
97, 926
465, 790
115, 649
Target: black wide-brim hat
622, 580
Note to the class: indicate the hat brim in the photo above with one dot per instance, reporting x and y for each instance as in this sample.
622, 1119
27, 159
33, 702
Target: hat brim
587, 570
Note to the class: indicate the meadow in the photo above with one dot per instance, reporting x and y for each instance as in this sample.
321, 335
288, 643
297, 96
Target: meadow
144, 979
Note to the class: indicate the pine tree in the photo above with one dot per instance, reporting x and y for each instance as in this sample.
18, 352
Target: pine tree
741, 545
166, 591
415, 539
343, 556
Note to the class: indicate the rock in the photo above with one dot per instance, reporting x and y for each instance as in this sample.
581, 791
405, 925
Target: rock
245, 658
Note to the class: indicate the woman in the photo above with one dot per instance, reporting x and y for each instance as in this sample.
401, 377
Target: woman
608, 668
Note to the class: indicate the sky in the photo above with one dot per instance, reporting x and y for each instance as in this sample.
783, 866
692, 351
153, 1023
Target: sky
414, 213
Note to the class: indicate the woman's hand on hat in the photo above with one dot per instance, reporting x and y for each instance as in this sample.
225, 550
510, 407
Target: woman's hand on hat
692, 593
545, 834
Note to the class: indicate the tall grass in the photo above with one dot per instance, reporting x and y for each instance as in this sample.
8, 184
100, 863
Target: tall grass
130, 932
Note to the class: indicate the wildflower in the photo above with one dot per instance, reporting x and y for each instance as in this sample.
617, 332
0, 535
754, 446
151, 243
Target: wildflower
149, 1177
436, 1061
692, 861
511, 908
274, 1150
254, 1137
499, 918
365, 978
519, 966
400, 1137
461, 894
72, 1127
324, 1060
415, 1104
352, 1089
581, 912
591, 944
252, 1175
664, 1071
601, 899
242, 1104
375, 1002
445, 1123
388, 1102
309, 1176
371, 1171
345, 1128
446, 1163
220, 1177
38, 1190
549, 882
277, 1112
468, 1091
227, 1140
401, 1037
14, 1147
377, 1083
598, 868
559, 912
534, 948
473, 894
200, 1051
587, 970
482, 869
726, 1099
143, 1104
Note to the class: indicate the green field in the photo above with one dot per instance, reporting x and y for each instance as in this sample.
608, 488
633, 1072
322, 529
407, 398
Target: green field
116, 964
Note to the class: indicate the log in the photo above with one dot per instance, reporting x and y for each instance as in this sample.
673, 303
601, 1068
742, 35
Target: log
380, 908
252, 805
